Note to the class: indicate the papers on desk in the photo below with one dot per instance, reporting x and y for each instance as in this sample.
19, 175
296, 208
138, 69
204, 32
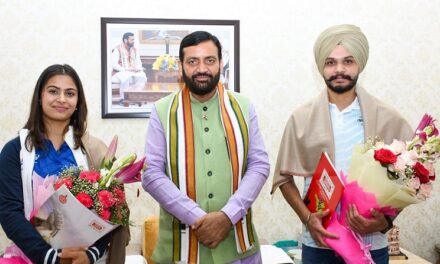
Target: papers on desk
135, 259
274, 255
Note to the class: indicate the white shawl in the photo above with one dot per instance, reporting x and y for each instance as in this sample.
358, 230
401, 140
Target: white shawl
27, 160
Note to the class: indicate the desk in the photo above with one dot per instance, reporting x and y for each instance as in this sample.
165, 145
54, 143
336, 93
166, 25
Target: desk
412, 259
150, 93
169, 76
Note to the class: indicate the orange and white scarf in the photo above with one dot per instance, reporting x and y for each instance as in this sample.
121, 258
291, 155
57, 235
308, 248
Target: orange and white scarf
127, 58
181, 165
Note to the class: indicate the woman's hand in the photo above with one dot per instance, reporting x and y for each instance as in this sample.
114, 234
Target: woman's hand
74, 256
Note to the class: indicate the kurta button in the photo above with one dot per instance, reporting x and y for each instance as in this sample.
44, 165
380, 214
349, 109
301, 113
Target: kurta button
210, 195
209, 173
207, 151
205, 108
206, 129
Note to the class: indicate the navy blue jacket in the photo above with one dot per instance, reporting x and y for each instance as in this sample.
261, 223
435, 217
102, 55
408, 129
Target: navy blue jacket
12, 218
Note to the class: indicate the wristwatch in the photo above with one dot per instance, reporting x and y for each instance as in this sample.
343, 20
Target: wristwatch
390, 224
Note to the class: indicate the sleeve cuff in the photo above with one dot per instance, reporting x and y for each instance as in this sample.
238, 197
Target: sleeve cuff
390, 224
193, 215
93, 254
232, 212
52, 256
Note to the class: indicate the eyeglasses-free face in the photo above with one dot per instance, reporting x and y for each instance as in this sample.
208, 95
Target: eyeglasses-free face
59, 98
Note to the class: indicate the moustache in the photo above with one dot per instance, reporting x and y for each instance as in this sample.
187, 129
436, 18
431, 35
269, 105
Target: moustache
343, 76
202, 75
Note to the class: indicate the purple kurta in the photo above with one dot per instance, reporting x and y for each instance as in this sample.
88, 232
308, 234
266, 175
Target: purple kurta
159, 185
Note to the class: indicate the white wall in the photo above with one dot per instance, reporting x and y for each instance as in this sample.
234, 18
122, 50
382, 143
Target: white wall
277, 73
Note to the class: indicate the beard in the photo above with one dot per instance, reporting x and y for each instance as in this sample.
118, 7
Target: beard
201, 88
340, 89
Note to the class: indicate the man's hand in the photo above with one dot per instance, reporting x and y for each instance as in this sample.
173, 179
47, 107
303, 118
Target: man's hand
74, 256
364, 225
212, 228
317, 231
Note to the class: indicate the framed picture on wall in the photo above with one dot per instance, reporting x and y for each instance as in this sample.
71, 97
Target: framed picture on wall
140, 60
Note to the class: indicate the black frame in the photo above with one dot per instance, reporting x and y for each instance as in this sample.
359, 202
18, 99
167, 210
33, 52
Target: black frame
231, 27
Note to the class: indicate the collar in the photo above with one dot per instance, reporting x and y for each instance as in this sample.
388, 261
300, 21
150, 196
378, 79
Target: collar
194, 100
353, 106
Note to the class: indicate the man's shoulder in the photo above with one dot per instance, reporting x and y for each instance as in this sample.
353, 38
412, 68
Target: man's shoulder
385, 108
240, 97
369, 99
116, 49
390, 123
163, 103
391, 116
303, 110
306, 106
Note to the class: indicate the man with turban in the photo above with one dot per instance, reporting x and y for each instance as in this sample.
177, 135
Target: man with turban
342, 115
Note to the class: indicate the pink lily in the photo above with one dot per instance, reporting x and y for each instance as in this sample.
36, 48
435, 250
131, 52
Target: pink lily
426, 127
431, 130
117, 166
109, 156
132, 172
425, 130
426, 121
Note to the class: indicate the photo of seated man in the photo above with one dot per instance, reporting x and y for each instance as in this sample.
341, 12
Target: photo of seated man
127, 66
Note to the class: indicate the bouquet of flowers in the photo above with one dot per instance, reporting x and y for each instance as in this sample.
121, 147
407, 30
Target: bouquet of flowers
387, 178
165, 63
102, 191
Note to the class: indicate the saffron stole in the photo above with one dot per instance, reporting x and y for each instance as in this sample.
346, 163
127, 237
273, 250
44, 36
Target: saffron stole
181, 165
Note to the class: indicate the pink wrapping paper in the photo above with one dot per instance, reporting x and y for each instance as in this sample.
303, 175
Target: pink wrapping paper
43, 189
14, 255
350, 245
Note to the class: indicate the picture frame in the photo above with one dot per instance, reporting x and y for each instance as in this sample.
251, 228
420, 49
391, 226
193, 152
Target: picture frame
133, 80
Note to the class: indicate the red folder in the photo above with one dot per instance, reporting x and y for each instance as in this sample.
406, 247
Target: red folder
325, 189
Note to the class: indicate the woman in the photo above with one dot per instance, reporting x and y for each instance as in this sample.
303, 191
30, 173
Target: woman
54, 137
